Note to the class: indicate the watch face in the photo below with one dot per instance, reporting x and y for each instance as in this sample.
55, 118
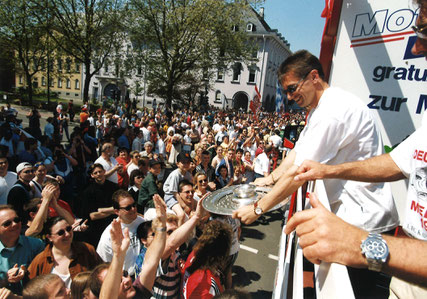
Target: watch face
258, 211
375, 248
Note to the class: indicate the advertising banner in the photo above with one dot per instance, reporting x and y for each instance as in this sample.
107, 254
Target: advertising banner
373, 59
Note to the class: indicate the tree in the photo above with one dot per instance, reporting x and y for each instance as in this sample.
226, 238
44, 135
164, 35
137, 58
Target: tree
174, 37
87, 30
25, 36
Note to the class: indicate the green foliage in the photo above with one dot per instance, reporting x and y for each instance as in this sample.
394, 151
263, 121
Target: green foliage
23, 32
173, 38
88, 31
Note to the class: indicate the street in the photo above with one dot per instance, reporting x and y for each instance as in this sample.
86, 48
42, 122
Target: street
255, 267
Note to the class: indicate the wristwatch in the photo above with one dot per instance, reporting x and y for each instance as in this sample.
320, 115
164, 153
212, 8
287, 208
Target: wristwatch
257, 210
375, 249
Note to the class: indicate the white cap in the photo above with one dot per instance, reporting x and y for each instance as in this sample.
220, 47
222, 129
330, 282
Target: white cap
22, 166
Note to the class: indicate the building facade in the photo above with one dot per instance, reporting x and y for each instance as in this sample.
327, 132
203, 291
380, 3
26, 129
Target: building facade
236, 87
65, 78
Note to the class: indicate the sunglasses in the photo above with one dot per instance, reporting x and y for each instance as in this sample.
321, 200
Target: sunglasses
292, 88
420, 31
129, 207
138, 177
61, 232
203, 181
7, 223
188, 191
29, 171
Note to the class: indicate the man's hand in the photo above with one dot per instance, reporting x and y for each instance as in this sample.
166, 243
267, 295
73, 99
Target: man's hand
119, 239
16, 273
246, 214
324, 236
160, 206
200, 210
311, 170
263, 182
212, 186
48, 192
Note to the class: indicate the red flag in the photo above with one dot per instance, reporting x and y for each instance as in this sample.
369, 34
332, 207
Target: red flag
287, 143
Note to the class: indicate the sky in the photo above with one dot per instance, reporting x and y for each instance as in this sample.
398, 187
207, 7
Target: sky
298, 21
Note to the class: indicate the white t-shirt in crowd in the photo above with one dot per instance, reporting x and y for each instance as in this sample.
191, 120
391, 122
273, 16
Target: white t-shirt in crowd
106, 252
107, 167
6, 183
411, 157
341, 129
262, 164
131, 168
276, 140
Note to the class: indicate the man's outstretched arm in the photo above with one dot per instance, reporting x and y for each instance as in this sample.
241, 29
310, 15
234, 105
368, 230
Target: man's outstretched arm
285, 186
324, 236
376, 169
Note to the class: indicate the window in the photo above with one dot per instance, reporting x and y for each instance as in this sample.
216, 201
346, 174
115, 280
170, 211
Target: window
77, 66
139, 71
250, 27
235, 28
117, 70
21, 80
77, 85
252, 74
220, 75
68, 83
218, 96
43, 81
68, 65
59, 62
237, 69
106, 67
51, 83
59, 83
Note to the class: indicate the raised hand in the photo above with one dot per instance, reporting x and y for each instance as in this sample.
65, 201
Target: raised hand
120, 240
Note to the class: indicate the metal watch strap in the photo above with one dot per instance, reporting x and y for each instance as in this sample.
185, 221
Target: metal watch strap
375, 249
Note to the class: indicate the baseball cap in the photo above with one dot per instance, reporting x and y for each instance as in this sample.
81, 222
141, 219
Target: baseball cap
22, 166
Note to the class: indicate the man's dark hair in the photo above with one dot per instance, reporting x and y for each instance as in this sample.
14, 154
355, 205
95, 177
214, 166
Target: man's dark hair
239, 150
300, 63
93, 166
268, 148
117, 195
183, 184
205, 152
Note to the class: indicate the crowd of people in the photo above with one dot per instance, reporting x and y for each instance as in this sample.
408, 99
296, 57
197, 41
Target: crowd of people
67, 197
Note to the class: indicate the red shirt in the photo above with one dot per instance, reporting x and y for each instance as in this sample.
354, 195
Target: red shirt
200, 284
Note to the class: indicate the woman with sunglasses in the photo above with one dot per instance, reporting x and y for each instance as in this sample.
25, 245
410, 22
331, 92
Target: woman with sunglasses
201, 185
135, 181
63, 256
